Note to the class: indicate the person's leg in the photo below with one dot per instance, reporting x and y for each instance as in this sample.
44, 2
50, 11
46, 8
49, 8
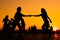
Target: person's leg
43, 26
20, 28
23, 24
47, 25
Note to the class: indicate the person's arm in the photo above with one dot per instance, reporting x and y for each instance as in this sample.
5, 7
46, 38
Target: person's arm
26, 15
31, 15
49, 19
36, 15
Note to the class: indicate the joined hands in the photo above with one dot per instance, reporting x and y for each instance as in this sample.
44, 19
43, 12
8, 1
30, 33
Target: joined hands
32, 15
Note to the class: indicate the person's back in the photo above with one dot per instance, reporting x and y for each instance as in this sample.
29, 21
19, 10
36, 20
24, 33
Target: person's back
45, 19
44, 15
5, 20
18, 14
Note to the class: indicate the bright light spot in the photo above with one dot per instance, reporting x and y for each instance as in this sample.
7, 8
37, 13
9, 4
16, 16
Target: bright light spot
54, 28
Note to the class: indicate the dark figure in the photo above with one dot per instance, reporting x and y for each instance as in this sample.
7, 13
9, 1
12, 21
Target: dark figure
33, 29
29, 30
18, 18
6, 21
45, 19
51, 31
9, 29
5, 27
16, 22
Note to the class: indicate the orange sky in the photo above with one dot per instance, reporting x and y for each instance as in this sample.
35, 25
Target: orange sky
30, 7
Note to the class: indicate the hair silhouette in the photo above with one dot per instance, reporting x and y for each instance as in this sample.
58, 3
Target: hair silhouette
45, 19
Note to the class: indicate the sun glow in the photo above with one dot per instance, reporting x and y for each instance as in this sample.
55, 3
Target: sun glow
54, 28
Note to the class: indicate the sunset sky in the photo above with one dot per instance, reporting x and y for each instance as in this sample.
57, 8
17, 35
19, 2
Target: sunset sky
31, 7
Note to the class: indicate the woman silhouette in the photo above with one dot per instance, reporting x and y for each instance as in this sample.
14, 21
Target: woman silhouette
45, 18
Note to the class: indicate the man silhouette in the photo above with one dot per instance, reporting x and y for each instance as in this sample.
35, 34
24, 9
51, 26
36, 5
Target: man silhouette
18, 17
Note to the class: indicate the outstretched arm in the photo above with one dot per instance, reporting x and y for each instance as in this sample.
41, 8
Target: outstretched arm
36, 15
26, 15
31, 15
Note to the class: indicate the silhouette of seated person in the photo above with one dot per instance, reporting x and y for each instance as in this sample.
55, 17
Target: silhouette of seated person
18, 17
45, 18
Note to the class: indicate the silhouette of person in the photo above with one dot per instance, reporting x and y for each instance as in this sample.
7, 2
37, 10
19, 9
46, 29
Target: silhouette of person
5, 27
6, 21
10, 30
45, 18
18, 17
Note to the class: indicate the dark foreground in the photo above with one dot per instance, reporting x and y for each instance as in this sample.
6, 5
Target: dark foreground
30, 36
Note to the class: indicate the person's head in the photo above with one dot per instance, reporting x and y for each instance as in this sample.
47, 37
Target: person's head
19, 9
43, 10
11, 18
6, 16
